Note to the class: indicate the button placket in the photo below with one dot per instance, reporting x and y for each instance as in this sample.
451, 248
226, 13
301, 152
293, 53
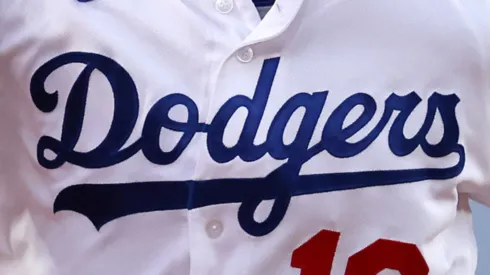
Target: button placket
214, 229
224, 6
245, 55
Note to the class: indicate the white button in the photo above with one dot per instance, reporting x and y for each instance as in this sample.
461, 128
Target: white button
224, 6
245, 55
214, 229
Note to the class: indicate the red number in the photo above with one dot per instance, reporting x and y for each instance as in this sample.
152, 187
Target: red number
382, 254
315, 257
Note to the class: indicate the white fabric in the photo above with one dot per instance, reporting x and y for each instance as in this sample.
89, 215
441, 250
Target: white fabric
345, 47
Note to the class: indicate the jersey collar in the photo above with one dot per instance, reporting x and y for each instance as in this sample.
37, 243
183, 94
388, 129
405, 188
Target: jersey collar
277, 20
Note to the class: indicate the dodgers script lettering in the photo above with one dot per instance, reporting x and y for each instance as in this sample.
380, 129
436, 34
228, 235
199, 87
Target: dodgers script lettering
280, 185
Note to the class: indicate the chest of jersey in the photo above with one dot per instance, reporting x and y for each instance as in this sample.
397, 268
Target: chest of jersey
265, 129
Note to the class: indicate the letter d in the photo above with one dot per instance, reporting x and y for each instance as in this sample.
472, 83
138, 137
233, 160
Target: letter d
255, 107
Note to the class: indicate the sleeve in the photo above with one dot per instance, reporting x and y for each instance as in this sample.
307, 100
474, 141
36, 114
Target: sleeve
475, 179
15, 221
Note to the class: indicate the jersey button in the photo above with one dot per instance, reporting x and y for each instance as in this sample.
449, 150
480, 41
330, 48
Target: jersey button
214, 229
245, 55
224, 6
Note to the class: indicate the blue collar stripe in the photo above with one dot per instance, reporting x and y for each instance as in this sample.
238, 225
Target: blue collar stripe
263, 3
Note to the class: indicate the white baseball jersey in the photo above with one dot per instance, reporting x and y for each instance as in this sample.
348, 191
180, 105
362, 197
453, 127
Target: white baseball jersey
200, 137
